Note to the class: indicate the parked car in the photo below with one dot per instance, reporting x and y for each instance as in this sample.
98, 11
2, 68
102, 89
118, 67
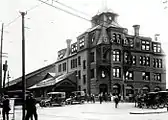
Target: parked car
77, 97
53, 99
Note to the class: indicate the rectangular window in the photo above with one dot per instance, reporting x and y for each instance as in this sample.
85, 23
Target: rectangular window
126, 58
116, 72
157, 63
156, 47
157, 77
79, 60
116, 55
133, 60
145, 45
92, 57
75, 62
144, 60
84, 64
92, 73
59, 68
71, 64
84, 79
79, 74
74, 48
81, 43
64, 66
146, 76
129, 75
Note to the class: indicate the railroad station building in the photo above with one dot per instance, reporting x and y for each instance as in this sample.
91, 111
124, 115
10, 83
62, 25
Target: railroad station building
105, 58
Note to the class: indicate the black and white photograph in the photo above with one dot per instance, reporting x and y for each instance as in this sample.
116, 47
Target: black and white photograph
83, 59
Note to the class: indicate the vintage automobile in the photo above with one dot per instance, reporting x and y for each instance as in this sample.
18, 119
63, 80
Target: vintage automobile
154, 100
77, 97
53, 99
163, 99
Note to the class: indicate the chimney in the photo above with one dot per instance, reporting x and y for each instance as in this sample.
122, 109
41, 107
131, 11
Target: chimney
136, 30
68, 41
157, 37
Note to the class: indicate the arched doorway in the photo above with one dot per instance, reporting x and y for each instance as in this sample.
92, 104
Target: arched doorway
116, 89
103, 88
157, 88
145, 89
129, 93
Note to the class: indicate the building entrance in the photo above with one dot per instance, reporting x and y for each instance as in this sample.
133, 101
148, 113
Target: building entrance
103, 88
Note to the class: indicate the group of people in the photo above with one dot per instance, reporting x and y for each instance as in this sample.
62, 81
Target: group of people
115, 97
30, 104
104, 97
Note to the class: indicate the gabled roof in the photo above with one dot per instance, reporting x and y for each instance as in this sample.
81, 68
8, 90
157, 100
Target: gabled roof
17, 80
51, 81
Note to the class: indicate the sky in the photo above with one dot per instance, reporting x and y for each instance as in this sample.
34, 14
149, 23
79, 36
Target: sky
47, 28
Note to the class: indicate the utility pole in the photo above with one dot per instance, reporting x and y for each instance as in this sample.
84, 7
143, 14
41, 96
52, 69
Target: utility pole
1, 57
8, 77
5, 67
23, 67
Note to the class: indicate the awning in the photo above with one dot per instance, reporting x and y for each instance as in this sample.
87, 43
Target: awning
156, 88
128, 87
115, 86
145, 88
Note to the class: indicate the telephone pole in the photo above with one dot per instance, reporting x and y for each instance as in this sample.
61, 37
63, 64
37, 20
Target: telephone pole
23, 66
5, 67
1, 57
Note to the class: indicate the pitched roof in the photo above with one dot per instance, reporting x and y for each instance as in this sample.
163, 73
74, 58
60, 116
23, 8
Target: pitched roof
51, 81
17, 80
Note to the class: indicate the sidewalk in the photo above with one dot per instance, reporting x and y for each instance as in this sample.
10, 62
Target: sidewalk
149, 111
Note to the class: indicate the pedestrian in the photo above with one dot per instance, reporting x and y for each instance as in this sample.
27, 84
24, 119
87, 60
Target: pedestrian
5, 107
100, 98
31, 107
116, 100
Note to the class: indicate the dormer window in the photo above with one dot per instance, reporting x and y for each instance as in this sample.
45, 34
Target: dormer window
156, 47
145, 45
74, 48
81, 43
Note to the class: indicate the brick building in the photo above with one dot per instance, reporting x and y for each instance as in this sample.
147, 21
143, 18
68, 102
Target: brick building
106, 58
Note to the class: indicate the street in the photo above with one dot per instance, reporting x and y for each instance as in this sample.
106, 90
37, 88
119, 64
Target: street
90, 111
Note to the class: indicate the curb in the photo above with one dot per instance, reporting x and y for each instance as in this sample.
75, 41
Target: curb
148, 112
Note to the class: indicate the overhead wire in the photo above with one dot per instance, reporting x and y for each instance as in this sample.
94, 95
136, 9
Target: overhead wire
15, 19
66, 11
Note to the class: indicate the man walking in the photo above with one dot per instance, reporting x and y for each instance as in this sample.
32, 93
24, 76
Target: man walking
5, 107
116, 100
31, 107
